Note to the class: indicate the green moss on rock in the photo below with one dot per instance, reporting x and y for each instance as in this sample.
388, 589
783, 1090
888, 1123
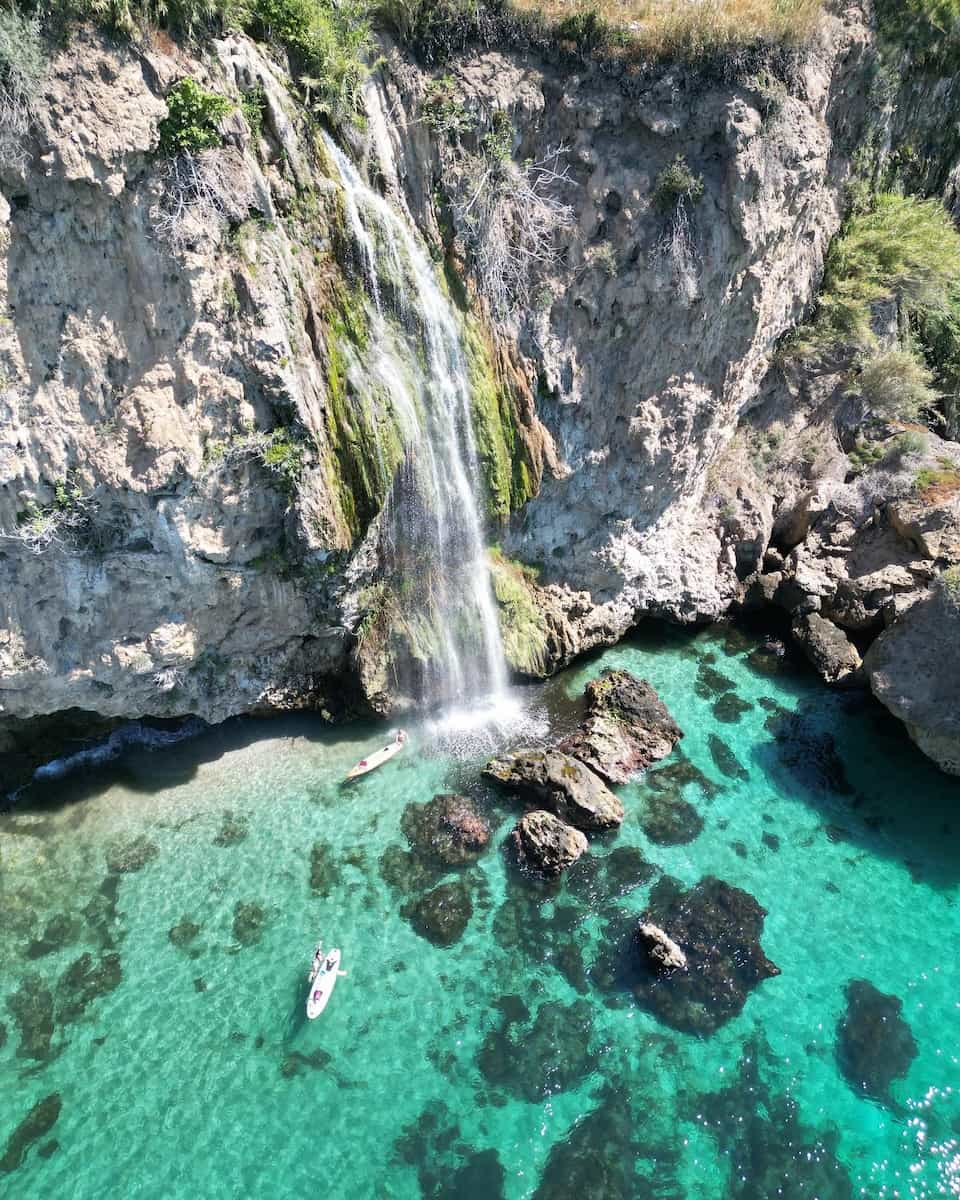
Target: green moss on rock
523, 626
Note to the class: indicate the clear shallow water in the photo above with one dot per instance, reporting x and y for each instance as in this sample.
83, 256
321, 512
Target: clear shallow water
196, 1075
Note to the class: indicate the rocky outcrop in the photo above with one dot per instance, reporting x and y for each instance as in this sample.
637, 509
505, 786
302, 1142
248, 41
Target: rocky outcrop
553, 780
627, 727
914, 670
717, 927
660, 949
546, 844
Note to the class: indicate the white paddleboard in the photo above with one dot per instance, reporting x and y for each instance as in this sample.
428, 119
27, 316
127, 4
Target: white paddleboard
323, 983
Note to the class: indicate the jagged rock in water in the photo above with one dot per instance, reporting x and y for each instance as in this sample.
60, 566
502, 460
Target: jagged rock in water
562, 784
544, 843
549, 1056
875, 1045
36, 1124
249, 919
594, 1161
660, 949
828, 648
627, 727
447, 828
718, 928
126, 857
84, 981
442, 915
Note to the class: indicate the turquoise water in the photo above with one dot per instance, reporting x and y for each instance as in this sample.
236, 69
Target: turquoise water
194, 1072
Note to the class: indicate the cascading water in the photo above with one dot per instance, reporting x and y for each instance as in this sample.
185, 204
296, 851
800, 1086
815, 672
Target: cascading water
431, 548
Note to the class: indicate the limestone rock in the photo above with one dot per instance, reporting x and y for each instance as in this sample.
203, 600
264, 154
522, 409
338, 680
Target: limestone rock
562, 784
828, 648
627, 727
544, 843
914, 670
662, 951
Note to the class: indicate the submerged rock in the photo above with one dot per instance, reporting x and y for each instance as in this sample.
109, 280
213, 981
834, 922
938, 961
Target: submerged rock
729, 708
600, 878
447, 828
325, 873
711, 683
560, 783
725, 759
550, 1056
32, 1008
544, 843
406, 873
594, 1161
442, 915
183, 933
60, 931
232, 830
670, 820
36, 1124
85, 981
123, 858
875, 1045
249, 919
718, 929
481, 1177
627, 727
661, 950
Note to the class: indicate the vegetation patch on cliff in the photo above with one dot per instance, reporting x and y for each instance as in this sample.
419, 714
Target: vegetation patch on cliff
523, 626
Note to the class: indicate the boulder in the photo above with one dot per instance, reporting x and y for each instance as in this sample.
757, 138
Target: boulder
544, 843
447, 828
627, 727
830, 651
914, 671
560, 783
442, 915
661, 950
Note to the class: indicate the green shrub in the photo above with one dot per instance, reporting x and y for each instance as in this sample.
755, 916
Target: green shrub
253, 105
443, 110
928, 29
676, 184
905, 249
950, 583
587, 30
188, 18
22, 67
908, 444
193, 119
896, 385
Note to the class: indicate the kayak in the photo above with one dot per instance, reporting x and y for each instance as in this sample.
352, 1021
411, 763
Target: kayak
323, 979
377, 760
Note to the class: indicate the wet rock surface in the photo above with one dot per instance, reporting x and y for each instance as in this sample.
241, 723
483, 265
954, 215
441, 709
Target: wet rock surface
875, 1045
560, 783
542, 842
718, 927
35, 1125
627, 727
442, 915
448, 829
534, 1060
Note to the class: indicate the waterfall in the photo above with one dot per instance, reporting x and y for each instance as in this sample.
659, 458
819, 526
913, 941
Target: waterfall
431, 547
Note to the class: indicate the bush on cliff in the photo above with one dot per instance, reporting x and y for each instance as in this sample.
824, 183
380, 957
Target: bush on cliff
22, 66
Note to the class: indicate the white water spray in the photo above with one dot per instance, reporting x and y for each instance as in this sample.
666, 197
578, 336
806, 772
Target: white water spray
433, 526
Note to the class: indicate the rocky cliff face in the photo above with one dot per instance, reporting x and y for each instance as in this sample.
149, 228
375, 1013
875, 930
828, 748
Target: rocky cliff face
188, 465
